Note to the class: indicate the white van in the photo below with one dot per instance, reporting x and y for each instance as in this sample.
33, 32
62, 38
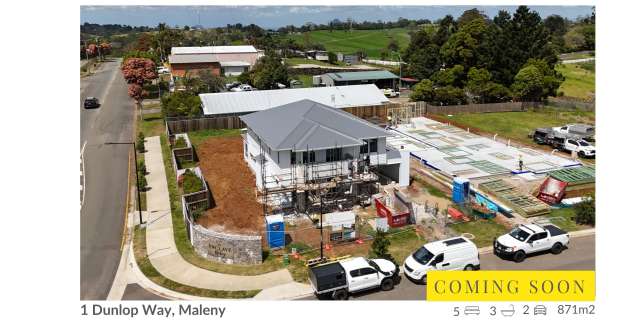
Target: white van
457, 253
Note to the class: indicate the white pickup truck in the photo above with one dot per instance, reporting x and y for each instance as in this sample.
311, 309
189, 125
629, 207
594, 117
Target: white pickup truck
583, 148
338, 279
530, 238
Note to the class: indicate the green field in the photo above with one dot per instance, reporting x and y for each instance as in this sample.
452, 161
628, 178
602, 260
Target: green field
371, 41
517, 125
579, 82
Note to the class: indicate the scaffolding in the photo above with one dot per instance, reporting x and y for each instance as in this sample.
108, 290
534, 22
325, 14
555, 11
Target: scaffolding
339, 184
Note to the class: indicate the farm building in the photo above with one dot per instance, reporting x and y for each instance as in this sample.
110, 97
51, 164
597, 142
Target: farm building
240, 103
303, 150
382, 79
232, 59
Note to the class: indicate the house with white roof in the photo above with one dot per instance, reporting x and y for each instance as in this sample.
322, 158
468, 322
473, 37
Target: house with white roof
231, 59
241, 103
305, 149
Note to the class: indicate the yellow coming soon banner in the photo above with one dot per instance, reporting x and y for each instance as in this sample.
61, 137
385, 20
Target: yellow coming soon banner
511, 285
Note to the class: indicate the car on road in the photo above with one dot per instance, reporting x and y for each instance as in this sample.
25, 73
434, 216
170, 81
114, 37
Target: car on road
91, 102
457, 253
528, 239
338, 279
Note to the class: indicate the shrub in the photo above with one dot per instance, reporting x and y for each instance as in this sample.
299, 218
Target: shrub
380, 246
180, 142
142, 168
586, 212
142, 181
191, 183
140, 142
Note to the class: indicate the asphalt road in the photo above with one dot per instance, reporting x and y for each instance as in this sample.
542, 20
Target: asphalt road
579, 256
105, 178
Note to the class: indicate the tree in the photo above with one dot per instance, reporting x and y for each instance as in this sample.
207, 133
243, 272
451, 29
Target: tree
450, 77
423, 91
180, 103
586, 211
138, 71
536, 81
214, 83
422, 56
92, 50
464, 46
393, 45
479, 84
449, 95
470, 15
380, 247
268, 72
574, 39
333, 58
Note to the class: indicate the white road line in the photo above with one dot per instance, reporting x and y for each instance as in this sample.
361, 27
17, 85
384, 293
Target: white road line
83, 185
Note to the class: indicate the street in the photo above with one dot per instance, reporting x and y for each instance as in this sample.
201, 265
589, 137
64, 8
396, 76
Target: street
579, 256
104, 177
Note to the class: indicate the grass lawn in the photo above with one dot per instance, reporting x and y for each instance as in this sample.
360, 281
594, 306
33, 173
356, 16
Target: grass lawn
307, 80
563, 218
197, 137
403, 243
270, 263
152, 125
579, 82
518, 125
140, 253
371, 41
483, 230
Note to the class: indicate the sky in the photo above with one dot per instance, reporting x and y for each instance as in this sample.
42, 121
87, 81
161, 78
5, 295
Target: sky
278, 16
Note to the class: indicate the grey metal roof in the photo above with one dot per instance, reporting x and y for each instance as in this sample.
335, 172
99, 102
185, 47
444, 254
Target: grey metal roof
213, 49
310, 125
257, 100
361, 75
192, 58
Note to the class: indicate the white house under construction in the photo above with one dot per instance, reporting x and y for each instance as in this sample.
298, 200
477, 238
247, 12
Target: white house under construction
305, 150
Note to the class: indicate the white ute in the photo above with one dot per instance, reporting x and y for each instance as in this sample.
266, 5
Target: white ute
338, 279
531, 238
583, 148
457, 253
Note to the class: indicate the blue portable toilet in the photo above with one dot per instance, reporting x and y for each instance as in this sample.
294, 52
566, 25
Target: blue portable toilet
460, 190
275, 231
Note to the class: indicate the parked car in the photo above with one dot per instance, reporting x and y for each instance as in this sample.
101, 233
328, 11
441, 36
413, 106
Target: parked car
163, 70
91, 102
388, 92
338, 279
581, 146
457, 253
242, 88
542, 136
231, 85
530, 238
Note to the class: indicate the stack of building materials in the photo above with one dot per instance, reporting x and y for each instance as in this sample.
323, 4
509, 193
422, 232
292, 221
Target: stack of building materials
580, 181
524, 204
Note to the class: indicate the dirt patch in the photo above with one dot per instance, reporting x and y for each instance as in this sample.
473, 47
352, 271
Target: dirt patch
233, 187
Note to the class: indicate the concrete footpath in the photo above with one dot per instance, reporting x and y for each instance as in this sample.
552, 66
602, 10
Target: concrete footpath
164, 255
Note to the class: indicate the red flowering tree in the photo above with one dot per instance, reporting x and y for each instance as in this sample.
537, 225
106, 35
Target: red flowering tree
105, 49
92, 50
138, 71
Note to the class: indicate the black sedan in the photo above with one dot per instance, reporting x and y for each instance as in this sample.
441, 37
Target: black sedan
91, 102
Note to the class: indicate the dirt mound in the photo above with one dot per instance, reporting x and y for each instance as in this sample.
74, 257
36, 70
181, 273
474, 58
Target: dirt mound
233, 187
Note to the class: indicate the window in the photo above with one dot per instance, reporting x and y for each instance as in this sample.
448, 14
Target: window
308, 157
354, 273
334, 154
373, 145
364, 149
367, 271
572, 142
439, 258
422, 255
538, 236
293, 157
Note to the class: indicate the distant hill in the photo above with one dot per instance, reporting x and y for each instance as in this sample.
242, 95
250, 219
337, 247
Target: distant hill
371, 41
